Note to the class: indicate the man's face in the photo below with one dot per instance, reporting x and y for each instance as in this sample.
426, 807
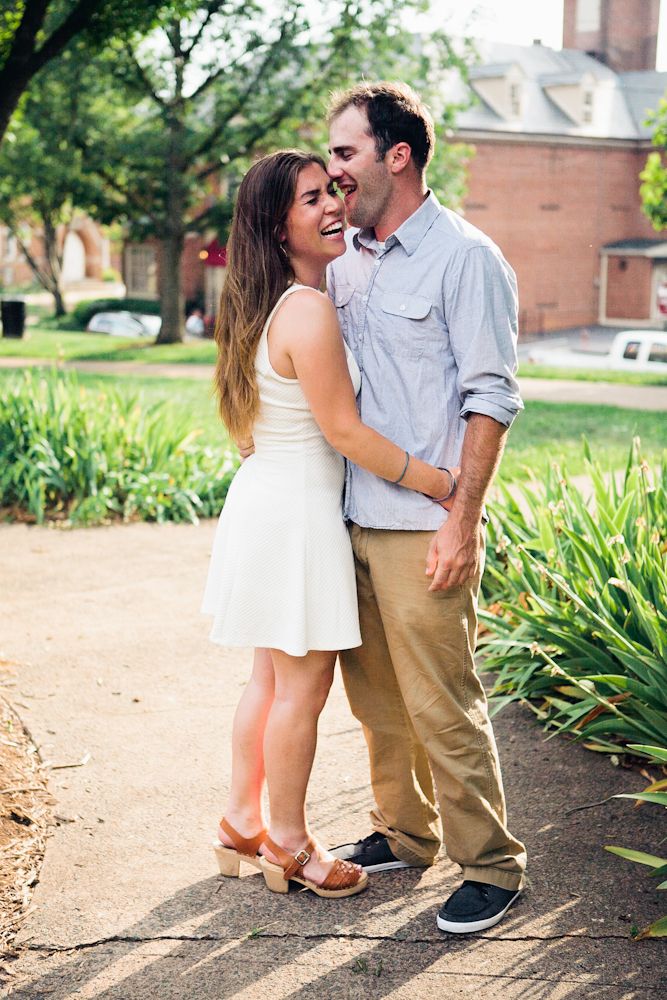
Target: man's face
365, 182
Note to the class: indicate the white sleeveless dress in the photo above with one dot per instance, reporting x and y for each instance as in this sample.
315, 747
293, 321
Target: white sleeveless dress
282, 571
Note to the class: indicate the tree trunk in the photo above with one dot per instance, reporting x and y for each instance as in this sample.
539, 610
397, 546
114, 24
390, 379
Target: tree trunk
59, 302
53, 263
172, 238
171, 296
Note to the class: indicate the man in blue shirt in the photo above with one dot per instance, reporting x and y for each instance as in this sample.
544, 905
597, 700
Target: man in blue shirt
428, 306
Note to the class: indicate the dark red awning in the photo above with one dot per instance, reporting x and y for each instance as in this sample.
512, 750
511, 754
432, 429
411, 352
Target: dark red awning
214, 255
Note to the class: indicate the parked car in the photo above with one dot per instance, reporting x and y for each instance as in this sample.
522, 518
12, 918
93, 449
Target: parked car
631, 350
125, 324
643, 350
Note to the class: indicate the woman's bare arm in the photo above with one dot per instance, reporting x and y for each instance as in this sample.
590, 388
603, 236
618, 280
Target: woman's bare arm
306, 333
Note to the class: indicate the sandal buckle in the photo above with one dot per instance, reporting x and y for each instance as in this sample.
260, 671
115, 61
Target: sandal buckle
300, 858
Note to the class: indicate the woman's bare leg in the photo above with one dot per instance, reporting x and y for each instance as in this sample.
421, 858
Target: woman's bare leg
302, 685
244, 806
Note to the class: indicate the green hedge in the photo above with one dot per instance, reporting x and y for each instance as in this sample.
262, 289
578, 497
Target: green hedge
92, 456
84, 311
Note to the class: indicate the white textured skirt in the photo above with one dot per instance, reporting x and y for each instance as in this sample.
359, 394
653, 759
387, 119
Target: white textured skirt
282, 570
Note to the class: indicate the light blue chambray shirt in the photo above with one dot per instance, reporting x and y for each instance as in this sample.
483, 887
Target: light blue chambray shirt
432, 322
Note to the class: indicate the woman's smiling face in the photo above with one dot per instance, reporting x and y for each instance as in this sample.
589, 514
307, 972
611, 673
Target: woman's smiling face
316, 220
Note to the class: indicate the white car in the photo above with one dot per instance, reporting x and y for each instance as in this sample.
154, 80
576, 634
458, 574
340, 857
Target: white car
631, 350
125, 324
641, 350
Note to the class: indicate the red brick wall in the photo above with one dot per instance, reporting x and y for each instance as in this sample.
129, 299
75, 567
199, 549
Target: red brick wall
629, 287
628, 35
550, 209
193, 268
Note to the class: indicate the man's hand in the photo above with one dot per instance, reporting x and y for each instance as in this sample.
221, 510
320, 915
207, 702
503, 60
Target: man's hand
453, 555
245, 448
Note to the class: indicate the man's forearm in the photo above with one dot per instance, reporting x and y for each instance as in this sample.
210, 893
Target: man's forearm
483, 446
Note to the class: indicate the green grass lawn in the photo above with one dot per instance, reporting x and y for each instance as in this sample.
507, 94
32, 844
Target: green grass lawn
548, 432
544, 433
55, 345
593, 375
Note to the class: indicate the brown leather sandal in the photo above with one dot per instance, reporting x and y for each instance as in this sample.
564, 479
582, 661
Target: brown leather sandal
245, 849
344, 878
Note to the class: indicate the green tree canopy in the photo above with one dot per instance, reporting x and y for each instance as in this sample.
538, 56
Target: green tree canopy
653, 189
42, 180
173, 119
33, 32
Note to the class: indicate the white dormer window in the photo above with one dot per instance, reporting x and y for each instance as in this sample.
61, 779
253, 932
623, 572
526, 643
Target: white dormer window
573, 94
500, 86
587, 112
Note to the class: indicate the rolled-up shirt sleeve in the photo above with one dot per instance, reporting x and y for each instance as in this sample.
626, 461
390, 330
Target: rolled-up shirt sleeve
480, 304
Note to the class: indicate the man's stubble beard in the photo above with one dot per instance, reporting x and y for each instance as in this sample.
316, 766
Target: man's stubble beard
371, 204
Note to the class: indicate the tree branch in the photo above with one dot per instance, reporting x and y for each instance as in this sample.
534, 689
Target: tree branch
239, 104
211, 8
76, 21
143, 78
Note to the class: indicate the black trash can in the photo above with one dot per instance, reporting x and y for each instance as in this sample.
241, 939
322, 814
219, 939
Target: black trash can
13, 317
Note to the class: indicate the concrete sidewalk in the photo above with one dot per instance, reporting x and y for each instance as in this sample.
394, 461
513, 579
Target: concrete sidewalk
114, 661
633, 397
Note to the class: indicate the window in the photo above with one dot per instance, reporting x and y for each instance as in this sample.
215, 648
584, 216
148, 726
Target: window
631, 350
587, 115
515, 99
588, 15
658, 352
140, 271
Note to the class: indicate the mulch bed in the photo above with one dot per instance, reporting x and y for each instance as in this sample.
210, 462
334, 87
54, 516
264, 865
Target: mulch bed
25, 810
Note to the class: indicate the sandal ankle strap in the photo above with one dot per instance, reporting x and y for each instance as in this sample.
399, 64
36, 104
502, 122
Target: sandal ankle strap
292, 864
244, 845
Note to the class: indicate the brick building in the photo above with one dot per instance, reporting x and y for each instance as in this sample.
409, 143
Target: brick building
560, 140
85, 247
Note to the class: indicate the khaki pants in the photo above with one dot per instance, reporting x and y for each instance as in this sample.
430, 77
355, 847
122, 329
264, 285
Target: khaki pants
413, 686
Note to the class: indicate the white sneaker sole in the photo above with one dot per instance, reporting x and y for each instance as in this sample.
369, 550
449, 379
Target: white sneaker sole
471, 926
387, 866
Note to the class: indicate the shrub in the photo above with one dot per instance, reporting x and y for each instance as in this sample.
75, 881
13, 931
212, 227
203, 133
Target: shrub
91, 456
580, 604
579, 615
84, 311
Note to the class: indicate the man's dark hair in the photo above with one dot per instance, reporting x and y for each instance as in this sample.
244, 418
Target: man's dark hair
395, 114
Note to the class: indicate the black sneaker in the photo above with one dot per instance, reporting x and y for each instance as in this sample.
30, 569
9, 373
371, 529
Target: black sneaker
475, 906
372, 853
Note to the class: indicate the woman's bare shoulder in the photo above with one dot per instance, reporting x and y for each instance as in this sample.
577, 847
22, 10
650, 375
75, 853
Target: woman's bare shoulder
305, 307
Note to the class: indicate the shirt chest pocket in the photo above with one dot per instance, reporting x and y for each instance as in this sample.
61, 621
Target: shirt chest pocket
408, 326
343, 301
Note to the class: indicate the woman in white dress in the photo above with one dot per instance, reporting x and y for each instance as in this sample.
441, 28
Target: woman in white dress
281, 577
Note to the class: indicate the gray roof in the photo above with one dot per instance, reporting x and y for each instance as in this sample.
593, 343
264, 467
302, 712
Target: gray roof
639, 247
621, 99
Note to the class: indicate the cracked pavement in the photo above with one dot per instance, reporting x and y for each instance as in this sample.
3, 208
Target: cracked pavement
113, 661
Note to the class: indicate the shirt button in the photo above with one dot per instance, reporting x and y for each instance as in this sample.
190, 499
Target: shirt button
377, 263
365, 298
402, 307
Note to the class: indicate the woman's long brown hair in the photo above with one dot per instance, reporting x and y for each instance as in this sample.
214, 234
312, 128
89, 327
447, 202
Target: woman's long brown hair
258, 272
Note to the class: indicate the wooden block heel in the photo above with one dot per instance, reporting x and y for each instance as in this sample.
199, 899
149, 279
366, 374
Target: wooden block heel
245, 849
229, 861
274, 877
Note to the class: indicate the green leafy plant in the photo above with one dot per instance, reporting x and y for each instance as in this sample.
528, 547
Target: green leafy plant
578, 603
576, 625
90, 456
654, 793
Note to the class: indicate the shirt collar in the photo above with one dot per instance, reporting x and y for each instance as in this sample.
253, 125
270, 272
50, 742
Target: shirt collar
409, 234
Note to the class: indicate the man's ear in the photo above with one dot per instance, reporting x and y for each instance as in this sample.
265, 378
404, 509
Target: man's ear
399, 156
